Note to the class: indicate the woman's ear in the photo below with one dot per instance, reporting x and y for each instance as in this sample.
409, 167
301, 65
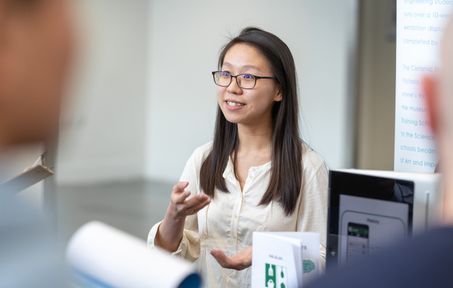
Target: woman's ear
429, 88
279, 96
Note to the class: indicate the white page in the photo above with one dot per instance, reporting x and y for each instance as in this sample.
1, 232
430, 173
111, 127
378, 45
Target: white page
305, 247
107, 257
296, 243
270, 252
420, 26
311, 254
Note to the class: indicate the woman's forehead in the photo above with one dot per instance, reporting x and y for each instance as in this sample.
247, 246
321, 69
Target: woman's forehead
243, 56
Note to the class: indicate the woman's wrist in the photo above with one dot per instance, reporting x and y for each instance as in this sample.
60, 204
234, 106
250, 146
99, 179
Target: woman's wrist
172, 216
162, 242
169, 233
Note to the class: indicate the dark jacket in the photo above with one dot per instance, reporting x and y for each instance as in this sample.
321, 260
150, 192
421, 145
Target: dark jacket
422, 261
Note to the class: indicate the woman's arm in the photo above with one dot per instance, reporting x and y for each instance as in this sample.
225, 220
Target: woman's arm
182, 204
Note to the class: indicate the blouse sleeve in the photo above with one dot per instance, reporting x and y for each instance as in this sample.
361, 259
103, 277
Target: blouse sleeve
189, 247
313, 207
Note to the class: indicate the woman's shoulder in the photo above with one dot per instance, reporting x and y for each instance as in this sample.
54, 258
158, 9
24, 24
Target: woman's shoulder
200, 153
203, 150
312, 161
195, 161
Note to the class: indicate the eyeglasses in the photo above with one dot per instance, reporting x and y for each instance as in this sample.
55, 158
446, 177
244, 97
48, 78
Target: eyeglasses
244, 81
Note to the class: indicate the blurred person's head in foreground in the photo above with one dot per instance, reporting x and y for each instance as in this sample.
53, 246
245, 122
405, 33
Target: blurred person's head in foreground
438, 90
35, 50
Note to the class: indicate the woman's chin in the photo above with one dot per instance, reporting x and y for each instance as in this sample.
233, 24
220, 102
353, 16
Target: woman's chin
235, 119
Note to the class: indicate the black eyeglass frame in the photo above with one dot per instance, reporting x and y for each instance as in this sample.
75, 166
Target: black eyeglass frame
236, 77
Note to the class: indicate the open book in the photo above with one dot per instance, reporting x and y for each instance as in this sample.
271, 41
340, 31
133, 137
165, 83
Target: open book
285, 259
102, 256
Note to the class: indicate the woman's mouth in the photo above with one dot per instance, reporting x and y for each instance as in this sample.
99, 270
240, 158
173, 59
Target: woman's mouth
233, 105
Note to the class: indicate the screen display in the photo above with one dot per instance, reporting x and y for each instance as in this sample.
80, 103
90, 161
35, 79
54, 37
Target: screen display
366, 214
357, 241
367, 225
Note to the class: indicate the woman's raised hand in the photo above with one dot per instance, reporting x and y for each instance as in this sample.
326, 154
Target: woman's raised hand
183, 203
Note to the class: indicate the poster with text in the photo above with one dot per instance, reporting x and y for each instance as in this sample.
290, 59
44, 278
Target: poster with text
419, 30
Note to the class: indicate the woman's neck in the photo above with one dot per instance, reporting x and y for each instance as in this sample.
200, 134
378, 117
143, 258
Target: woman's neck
255, 137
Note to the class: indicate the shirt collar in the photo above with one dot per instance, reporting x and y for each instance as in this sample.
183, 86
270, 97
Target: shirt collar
254, 171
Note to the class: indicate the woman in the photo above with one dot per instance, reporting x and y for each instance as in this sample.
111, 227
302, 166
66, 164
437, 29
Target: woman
257, 174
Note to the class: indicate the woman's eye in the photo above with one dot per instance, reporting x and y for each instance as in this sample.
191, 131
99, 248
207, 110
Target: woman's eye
248, 76
225, 74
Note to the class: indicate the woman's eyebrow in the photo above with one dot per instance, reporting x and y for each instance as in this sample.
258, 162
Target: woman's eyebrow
227, 64
251, 67
242, 68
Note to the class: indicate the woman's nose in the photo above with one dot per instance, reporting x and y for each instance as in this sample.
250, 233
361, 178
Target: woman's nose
234, 88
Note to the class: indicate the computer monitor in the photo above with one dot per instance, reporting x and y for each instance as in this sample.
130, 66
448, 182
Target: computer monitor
368, 210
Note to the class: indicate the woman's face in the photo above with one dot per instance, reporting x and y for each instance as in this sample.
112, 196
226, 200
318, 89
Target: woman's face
247, 106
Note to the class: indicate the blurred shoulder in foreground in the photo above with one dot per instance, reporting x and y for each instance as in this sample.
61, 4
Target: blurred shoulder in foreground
424, 261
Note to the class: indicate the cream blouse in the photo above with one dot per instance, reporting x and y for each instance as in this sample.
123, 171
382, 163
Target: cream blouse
229, 221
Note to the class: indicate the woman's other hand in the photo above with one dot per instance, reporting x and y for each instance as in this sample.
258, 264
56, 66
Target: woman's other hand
239, 261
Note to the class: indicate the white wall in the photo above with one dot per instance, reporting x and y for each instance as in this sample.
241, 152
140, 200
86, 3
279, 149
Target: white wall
186, 37
132, 118
105, 140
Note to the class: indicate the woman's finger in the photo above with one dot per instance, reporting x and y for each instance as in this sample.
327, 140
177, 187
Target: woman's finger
180, 198
198, 207
195, 200
220, 256
239, 261
180, 186
178, 195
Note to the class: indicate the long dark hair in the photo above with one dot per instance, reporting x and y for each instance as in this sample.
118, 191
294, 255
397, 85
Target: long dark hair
286, 172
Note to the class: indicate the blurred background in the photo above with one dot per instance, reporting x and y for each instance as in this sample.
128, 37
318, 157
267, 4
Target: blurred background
143, 97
